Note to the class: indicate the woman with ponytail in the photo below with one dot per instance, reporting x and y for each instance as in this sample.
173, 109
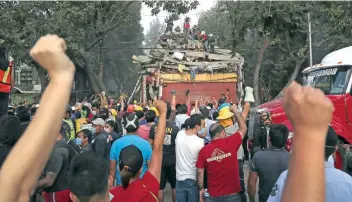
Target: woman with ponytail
130, 165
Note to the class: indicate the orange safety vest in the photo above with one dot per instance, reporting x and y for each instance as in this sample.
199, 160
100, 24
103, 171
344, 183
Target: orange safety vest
5, 79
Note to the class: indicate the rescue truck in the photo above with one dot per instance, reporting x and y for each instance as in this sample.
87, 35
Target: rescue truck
333, 77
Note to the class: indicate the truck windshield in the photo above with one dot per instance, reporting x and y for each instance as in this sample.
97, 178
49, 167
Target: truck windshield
331, 81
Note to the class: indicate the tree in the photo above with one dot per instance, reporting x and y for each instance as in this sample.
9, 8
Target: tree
84, 26
156, 29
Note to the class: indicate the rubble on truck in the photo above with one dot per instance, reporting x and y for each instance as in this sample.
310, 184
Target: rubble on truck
177, 54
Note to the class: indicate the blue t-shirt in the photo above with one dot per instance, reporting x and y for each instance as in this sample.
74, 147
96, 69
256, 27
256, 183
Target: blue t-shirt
125, 141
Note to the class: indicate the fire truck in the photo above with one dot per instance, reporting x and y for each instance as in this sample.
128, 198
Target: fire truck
333, 77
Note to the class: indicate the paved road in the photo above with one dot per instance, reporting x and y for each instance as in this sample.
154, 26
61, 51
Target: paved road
168, 197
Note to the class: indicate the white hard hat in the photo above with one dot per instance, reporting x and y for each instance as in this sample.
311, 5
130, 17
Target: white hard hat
210, 34
203, 32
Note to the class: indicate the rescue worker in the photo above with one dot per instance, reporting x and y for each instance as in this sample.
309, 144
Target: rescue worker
261, 132
7, 81
211, 45
71, 136
202, 37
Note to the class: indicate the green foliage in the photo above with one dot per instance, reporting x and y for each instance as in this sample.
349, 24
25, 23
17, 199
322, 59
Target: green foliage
246, 24
156, 29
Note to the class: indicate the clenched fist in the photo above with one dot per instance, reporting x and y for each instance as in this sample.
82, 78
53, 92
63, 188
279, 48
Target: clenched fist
160, 106
307, 107
49, 52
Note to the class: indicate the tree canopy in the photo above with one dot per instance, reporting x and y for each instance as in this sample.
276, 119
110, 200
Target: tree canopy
273, 37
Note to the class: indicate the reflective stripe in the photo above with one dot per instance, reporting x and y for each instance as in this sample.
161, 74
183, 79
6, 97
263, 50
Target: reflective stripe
156, 198
6, 74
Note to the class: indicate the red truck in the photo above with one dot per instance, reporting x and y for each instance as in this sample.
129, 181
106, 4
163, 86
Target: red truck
333, 77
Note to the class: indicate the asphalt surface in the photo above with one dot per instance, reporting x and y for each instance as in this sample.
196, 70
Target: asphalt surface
168, 197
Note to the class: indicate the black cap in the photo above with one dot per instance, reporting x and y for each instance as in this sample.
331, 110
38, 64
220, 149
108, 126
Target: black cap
104, 113
131, 123
132, 158
331, 138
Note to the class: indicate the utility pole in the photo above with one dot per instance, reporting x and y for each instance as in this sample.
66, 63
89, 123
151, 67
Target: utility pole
310, 41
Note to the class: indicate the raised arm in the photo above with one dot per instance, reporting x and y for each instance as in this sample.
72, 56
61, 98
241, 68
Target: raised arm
241, 122
310, 113
18, 176
157, 155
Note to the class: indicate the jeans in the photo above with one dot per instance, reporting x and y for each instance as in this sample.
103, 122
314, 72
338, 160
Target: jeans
187, 191
227, 198
243, 187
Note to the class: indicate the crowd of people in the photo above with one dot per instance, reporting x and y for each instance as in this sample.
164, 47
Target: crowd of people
93, 152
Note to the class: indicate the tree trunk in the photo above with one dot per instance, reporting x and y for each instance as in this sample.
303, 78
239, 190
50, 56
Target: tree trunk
295, 71
257, 71
92, 81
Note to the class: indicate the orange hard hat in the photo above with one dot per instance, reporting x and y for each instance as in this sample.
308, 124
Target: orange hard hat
130, 108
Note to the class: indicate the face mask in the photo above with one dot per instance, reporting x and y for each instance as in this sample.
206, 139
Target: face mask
93, 130
202, 131
78, 141
94, 113
107, 130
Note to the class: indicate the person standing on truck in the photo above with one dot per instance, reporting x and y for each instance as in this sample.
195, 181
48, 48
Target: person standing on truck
7, 81
228, 121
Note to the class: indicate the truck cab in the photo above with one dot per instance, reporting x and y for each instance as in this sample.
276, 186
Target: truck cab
333, 77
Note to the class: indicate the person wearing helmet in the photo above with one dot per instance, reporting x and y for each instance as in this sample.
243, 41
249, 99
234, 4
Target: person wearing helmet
68, 120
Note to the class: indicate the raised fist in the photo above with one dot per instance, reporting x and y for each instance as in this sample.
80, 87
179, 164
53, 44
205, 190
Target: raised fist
160, 106
49, 52
307, 107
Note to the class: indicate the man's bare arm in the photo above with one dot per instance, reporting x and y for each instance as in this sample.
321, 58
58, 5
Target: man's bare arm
252, 185
112, 169
200, 177
40, 136
241, 122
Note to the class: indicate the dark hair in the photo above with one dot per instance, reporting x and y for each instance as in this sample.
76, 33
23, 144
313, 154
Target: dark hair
185, 125
23, 114
140, 114
215, 115
210, 105
10, 130
96, 105
331, 141
150, 116
221, 101
182, 109
33, 111
169, 110
145, 109
111, 123
278, 135
205, 112
88, 176
195, 120
85, 108
214, 129
87, 134
131, 161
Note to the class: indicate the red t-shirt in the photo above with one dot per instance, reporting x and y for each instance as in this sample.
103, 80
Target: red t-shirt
219, 158
145, 189
186, 25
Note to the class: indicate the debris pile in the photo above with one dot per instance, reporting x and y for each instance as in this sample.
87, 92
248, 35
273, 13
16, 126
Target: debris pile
182, 53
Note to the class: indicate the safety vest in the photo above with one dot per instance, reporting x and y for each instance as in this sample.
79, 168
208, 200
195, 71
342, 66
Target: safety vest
72, 133
5, 79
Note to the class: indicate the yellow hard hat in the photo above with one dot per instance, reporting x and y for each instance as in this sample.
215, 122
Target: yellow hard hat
138, 108
113, 112
225, 113
155, 110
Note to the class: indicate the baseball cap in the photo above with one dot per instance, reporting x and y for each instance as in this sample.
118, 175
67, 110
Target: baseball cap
131, 157
104, 113
131, 122
98, 122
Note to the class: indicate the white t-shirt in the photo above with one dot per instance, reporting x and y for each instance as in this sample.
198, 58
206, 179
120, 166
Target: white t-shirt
180, 120
187, 150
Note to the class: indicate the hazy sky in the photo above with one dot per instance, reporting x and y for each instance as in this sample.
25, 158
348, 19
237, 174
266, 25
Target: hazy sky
194, 14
